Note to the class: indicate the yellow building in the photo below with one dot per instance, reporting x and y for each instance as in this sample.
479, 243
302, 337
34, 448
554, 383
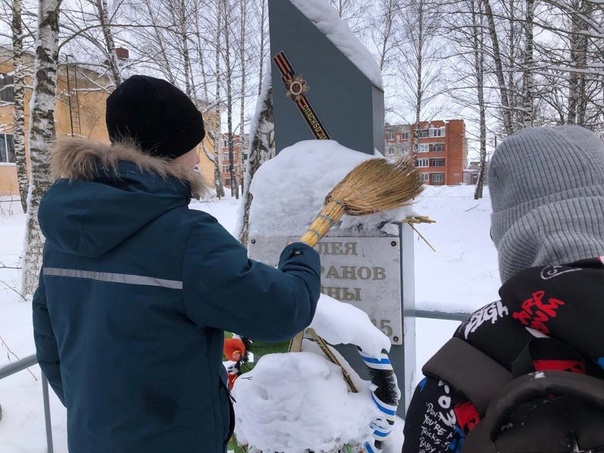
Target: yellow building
79, 112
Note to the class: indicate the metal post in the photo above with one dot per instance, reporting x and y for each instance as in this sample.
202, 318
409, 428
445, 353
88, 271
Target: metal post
406, 375
47, 421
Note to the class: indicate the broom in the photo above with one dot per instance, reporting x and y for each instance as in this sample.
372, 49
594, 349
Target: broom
374, 185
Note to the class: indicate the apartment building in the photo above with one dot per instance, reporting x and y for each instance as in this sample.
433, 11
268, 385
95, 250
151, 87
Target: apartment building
439, 148
240, 148
79, 112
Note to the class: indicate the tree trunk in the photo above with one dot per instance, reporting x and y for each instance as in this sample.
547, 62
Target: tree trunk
186, 57
527, 70
578, 96
262, 45
229, 97
41, 135
478, 40
19, 104
109, 42
262, 148
499, 71
240, 163
218, 136
157, 36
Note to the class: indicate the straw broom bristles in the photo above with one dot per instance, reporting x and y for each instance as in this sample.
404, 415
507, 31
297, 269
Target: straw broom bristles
374, 185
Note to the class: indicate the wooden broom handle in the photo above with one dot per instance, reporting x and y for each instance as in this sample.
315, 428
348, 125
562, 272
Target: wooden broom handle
331, 213
327, 217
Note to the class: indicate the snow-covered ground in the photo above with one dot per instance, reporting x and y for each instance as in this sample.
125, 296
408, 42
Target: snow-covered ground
461, 275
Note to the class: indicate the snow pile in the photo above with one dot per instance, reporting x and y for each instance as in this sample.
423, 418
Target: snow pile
341, 323
327, 20
298, 401
289, 190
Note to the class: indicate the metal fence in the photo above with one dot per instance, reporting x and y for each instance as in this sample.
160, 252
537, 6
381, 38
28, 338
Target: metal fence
23, 364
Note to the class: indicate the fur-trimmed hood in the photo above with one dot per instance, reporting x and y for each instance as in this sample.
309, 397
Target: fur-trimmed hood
105, 194
80, 159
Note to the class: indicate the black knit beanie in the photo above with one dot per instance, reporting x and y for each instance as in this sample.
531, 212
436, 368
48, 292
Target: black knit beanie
159, 117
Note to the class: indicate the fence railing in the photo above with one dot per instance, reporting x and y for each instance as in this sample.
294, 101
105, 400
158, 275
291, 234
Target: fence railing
23, 364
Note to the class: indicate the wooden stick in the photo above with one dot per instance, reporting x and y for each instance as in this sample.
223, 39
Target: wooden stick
332, 358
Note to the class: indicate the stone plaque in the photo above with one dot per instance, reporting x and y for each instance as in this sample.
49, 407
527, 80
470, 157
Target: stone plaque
363, 271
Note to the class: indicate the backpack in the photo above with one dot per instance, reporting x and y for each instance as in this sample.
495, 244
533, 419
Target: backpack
524, 410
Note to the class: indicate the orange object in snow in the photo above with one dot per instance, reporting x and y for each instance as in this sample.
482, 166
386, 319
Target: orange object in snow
233, 349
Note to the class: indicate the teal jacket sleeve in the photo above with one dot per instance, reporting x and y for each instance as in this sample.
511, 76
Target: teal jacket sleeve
46, 344
225, 289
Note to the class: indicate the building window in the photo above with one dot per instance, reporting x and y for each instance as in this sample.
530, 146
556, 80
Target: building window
7, 149
422, 163
225, 143
421, 133
391, 151
436, 132
437, 147
227, 182
225, 156
437, 178
405, 135
7, 90
422, 147
424, 177
225, 169
437, 162
390, 136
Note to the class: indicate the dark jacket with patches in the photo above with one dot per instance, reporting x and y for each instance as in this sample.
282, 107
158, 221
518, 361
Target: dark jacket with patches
549, 318
135, 293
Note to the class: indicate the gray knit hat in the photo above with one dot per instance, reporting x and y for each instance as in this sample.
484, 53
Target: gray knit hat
547, 192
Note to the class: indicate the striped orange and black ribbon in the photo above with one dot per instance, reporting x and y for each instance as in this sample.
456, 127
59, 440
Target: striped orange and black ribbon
306, 109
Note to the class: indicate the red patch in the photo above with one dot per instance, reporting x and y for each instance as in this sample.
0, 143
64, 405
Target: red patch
574, 366
536, 312
467, 416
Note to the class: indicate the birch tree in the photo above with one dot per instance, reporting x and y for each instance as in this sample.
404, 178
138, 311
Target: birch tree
262, 148
229, 74
506, 113
105, 24
217, 136
263, 19
528, 77
354, 12
41, 135
569, 63
19, 73
243, 63
384, 35
579, 45
479, 55
419, 60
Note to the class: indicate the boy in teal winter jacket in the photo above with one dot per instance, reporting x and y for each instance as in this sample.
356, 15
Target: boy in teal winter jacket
136, 289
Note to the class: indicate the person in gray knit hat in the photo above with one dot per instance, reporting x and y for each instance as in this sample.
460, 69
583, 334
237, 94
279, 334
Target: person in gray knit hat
547, 194
547, 191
